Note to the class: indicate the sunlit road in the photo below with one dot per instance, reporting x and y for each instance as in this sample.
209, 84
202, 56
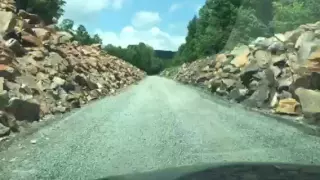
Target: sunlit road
155, 124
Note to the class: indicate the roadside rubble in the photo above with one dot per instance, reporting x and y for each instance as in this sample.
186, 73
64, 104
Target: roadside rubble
280, 73
44, 72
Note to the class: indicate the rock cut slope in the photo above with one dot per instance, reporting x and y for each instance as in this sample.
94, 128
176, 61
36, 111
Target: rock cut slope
280, 73
43, 72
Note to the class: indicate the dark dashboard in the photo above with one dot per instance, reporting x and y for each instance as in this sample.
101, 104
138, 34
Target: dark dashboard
230, 171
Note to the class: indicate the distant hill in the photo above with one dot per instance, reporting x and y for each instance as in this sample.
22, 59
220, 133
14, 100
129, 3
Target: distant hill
164, 54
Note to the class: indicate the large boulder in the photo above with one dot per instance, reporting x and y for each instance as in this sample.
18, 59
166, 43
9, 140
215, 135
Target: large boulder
238, 94
260, 98
83, 81
62, 37
7, 22
42, 33
247, 73
15, 46
310, 102
8, 72
4, 131
241, 56
288, 106
24, 109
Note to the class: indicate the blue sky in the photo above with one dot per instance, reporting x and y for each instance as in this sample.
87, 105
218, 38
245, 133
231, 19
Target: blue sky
161, 24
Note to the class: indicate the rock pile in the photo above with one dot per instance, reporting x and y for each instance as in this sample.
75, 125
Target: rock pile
43, 72
281, 73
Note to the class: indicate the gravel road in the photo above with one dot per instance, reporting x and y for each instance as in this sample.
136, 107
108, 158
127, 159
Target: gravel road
153, 125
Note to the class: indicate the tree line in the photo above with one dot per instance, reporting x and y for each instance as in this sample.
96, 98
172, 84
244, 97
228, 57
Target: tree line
142, 56
223, 24
80, 34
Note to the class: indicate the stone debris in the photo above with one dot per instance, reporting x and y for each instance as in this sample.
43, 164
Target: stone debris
280, 73
44, 72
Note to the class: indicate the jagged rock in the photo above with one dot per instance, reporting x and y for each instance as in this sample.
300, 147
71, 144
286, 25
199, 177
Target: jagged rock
15, 46
299, 81
279, 60
241, 59
95, 94
62, 37
24, 110
262, 57
277, 48
259, 98
54, 59
292, 36
270, 78
85, 82
4, 131
288, 106
274, 100
284, 95
59, 109
28, 81
313, 63
229, 83
222, 91
7, 22
262, 43
33, 18
31, 40
309, 100
238, 94
307, 36
220, 60
41, 33
230, 69
276, 71
248, 72
7, 72
38, 55
6, 56
8, 121
57, 82
213, 84
4, 99
204, 77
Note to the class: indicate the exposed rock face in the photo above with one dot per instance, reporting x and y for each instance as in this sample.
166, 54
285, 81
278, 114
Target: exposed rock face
281, 73
45, 72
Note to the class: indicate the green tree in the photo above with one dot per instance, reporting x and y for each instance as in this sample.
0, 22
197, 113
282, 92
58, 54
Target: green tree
289, 16
188, 51
82, 36
141, 56
222, 24
96, 39
47, 9
66, 25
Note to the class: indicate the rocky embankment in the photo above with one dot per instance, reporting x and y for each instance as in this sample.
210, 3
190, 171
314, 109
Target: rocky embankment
42, 72
280, 73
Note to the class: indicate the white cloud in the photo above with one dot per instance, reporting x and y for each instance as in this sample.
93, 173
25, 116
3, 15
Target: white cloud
79, 10
175, 7
154, 37
117, 4
172, 26
145, 19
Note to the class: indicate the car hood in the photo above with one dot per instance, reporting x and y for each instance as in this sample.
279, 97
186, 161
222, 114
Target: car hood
225, 170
